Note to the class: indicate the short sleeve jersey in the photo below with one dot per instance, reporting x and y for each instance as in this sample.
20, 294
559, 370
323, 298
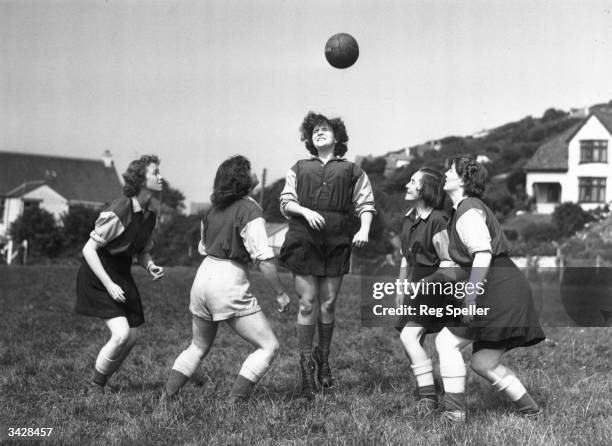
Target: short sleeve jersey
428, 232
459, 248
225, 232
124, 228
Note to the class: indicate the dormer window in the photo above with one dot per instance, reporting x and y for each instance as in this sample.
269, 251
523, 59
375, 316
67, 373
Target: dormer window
594, 151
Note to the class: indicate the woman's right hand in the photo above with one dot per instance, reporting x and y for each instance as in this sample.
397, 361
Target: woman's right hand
116, 292
283, 302
314, 219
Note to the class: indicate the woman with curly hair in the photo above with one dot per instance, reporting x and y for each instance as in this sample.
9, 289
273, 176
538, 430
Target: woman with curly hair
233, 235
320, 198
105, 287
501, 318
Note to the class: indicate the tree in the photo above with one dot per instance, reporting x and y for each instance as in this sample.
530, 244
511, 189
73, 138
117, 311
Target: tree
551, 114
271, 201
176, 241
77, 225
374, 165
40, 229
173, 198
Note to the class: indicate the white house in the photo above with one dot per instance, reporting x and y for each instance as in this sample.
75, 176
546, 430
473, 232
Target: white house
573, 166
53, 183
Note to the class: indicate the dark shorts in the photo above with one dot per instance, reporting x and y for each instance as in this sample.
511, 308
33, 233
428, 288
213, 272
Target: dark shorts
433, 300
93, 300
325, 253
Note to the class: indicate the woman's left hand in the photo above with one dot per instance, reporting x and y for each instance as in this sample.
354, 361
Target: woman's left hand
156, 271
360, 239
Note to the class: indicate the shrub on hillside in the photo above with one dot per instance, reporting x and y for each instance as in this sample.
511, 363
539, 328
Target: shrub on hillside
569, 218
540, 232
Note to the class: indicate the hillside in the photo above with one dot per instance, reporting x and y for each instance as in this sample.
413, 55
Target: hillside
508, 147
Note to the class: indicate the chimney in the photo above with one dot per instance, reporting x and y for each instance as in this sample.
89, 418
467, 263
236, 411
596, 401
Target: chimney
107, 157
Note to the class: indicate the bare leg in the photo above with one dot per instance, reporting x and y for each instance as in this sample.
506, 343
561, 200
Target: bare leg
486, 363
255, 329
204, 333
111, 354
422, 366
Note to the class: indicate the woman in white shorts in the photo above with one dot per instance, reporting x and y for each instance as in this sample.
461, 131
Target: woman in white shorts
233, 234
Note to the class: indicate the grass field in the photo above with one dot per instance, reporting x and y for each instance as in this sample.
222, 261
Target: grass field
47, 353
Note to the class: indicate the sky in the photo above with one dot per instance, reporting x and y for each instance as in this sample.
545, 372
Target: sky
198, 81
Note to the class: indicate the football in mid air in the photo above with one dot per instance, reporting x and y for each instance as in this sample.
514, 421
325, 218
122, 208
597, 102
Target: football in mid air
341, 50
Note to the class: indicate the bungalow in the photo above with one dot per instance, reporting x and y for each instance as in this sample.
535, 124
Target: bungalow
573, 166
53, 183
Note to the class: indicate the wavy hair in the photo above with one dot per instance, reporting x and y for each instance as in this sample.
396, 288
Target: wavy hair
312, 120
473, 174
432, 187
136, 174
232, 181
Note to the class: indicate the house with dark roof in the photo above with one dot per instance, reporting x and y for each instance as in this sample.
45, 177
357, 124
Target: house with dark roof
573, 166
53, 183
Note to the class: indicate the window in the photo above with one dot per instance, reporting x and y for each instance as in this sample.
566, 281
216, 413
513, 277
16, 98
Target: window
592, 190
31, 204
2, 206
594, 151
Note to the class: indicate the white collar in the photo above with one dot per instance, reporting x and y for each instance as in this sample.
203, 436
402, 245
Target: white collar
136, 205
423, 215
334, 157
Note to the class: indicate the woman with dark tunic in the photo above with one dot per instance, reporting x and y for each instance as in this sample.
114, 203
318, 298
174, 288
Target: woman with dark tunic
425, 258
233, 235
105, 287
320, 198
501, 318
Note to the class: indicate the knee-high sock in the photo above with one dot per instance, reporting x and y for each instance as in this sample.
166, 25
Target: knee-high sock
188, 361
453, 372
105, 366
184, 367
423, 372
305, 338
452, 365
255, 366
253, 369
325, 336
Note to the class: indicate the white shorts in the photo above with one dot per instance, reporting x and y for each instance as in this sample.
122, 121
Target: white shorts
220, 291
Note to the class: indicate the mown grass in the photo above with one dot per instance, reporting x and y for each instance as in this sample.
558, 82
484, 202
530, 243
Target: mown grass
47, 354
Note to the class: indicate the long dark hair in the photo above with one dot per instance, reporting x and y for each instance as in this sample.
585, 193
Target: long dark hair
136, 174
232, 182
311, 120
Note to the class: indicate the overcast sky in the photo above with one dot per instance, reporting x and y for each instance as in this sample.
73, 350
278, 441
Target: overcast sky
198, 81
